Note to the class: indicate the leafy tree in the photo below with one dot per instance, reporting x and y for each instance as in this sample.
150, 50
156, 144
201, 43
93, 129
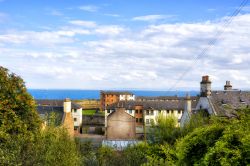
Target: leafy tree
15, 98
192, 148
21, 140
165, 130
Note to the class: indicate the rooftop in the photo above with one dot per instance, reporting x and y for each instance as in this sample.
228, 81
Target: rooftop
157, 105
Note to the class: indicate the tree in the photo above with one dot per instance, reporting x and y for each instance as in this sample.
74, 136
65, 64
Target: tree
21, 140
165, 130
15, 100
222, 141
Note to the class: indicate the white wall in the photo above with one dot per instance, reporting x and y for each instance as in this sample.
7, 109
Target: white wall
106, 115
204, 103
78, 116
164, 113
126, 97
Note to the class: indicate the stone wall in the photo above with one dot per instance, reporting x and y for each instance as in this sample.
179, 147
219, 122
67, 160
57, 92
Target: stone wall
120, 125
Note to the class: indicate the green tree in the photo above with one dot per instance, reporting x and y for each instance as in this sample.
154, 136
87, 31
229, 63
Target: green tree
165, 130
21, 140
15, 98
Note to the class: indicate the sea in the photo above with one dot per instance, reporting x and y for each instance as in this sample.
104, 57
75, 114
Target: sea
95, 94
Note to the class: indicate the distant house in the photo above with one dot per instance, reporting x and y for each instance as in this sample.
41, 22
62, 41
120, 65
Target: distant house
147, 112
109, 97
220, 103
120, 125
64, 109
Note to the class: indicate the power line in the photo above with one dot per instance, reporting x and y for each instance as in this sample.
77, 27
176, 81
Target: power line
211, 43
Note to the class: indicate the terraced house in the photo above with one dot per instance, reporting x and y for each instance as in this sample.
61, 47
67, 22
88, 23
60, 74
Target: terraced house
66, 112
223, 103
146, 112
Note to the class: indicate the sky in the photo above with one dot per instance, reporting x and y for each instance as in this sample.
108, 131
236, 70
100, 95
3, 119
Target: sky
125, 44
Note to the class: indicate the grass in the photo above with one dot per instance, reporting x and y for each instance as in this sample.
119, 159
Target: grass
88, 112
92, 112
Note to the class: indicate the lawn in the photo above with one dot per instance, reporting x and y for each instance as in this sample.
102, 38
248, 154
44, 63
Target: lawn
88, 112
92, 112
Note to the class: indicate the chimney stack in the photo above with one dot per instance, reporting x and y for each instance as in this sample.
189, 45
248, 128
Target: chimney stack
205, 86
188, 104
228, 86
67, 105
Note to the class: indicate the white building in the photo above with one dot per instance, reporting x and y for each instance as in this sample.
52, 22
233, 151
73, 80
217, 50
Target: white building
219, 103
59, 107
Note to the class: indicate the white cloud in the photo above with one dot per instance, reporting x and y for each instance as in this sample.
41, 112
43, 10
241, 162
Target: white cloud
109, 30
151, 18
121, 57
89, 24
112, 15
89, 8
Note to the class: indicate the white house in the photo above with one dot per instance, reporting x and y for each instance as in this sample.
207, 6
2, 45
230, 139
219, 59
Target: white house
221, 103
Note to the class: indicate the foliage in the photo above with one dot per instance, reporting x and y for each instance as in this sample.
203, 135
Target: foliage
22, 142
221, 142
199, 119
88, 112
192, 147
165, 130
53, 145
15, 98
109, 157
203, 141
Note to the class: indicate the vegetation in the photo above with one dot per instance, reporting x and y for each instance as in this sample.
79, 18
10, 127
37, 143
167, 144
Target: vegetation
203, 141
88, 112
92, 112
22, 142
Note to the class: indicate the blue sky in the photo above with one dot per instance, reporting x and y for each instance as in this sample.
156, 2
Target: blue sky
124, 44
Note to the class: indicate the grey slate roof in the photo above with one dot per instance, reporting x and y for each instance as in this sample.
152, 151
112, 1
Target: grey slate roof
162, 98
56, 103
177, 104
225, 102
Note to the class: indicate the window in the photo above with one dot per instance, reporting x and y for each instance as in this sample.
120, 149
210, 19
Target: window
147, 121
136, 111
179, 111
168, 111
147, 112
137, 120
75, 110
130, 111
75, 119
141, 120
151, 112
140, 111
159, 111
108, 111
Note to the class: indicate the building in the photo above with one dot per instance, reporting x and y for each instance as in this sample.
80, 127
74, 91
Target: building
60, 107
147, 112
110, 97
120, 125
220, 103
